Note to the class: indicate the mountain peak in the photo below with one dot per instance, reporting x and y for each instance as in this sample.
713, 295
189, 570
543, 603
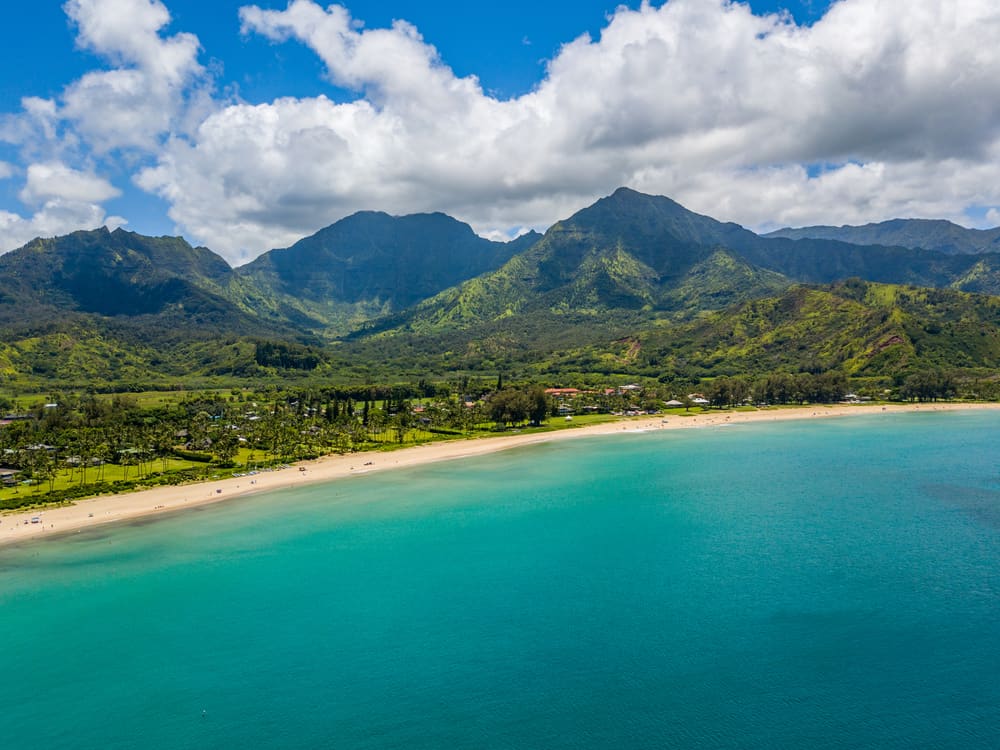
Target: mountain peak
627, 212
627, 192
380, 262
629, 195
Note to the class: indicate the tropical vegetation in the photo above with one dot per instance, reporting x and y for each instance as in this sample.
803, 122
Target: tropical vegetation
127, 359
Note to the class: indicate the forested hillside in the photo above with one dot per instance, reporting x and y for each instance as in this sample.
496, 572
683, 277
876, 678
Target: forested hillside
366, 265
633, 284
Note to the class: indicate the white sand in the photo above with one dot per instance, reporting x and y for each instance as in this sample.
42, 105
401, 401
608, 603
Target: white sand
56, 521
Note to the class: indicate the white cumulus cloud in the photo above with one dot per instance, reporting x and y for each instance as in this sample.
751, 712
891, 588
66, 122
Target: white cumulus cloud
146, 95
881, 108
143, 96
55, 180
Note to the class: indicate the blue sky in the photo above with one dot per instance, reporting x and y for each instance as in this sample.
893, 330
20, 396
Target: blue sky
247, 131
505, 44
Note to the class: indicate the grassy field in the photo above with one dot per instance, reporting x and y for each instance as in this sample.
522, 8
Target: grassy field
68, 478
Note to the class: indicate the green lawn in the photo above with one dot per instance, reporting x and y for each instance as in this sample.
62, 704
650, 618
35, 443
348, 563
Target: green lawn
68, 478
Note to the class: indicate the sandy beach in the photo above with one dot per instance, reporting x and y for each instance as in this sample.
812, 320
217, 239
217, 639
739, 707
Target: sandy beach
18, 527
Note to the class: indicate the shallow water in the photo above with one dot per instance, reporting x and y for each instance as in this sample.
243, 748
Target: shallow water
829, 584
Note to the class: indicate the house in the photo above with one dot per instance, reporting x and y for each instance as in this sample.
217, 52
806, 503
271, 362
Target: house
8, 477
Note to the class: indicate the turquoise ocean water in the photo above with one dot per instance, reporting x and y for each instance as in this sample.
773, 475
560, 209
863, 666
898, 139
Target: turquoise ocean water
828, 584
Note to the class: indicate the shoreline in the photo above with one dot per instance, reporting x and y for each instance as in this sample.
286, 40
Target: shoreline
58, 521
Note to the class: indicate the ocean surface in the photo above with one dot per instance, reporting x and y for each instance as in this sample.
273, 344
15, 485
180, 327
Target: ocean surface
818, 584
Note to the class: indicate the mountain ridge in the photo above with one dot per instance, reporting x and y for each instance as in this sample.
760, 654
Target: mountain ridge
369, 264
924, 234
377, 293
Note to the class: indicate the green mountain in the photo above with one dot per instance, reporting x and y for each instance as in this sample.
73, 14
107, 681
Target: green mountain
611, 270
115, 273
924, 234
721, 280
658, 219
631, 250
101, 306
365, 265
632, 284
97, 307
635, 252
628, 252
808, 259
857, 327
614, 282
